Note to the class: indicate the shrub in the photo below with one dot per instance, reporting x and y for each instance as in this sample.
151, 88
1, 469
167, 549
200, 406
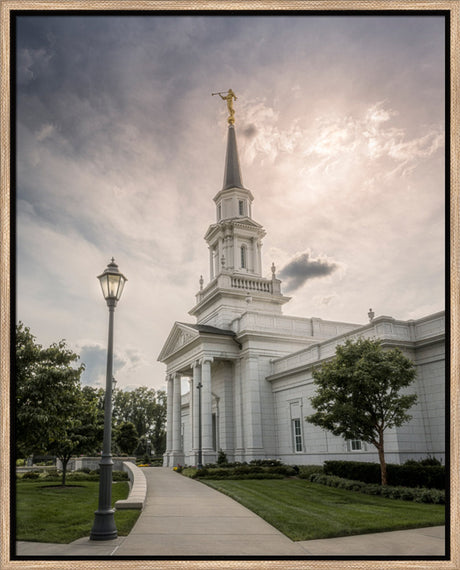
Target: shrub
189, 472
219, 473
222, 458
285, 470
410, 474
403, 493
266, 462
120, 476
306, 470
31, 475
429, 461
156, 462
245, 469
78, 476
371, 489
51, 474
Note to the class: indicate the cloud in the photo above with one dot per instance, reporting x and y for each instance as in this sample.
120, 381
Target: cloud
250, 131
304, 267
94, 357
321, 300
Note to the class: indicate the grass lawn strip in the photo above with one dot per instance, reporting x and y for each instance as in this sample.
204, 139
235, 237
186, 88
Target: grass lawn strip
63, 514
305, 511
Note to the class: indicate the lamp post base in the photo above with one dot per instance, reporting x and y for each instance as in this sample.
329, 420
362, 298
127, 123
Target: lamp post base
104, 526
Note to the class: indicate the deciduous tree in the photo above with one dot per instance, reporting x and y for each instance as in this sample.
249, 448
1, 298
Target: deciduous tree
47, 382
358, 393
146, 409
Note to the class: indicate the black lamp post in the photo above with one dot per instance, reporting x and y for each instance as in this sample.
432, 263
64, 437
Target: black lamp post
112, 283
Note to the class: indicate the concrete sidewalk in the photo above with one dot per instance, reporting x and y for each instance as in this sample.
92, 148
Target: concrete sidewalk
183, 517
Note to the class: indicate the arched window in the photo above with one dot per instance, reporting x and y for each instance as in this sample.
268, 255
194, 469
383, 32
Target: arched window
241, 207
243, 256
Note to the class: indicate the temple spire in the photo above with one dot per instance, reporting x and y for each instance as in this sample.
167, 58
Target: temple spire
232, 175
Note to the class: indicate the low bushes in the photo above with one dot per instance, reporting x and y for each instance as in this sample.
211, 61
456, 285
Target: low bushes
258, 469
403, 493
425, 473
80, 475
304, 471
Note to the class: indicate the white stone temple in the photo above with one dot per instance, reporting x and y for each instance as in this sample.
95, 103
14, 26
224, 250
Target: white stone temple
252, 364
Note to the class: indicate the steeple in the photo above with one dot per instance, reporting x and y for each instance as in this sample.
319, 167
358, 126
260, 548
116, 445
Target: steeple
232, 175
235, 250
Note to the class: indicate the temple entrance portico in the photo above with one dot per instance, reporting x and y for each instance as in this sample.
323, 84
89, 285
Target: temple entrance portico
202, 356
214, 377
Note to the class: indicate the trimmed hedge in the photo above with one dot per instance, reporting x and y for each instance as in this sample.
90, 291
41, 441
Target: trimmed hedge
434, 496
241, 471
81, 475
410, 474
304, 471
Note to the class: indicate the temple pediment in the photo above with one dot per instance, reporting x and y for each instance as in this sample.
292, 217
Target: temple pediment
180, 336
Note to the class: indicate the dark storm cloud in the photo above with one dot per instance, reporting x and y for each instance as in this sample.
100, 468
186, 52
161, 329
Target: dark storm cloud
302, 268
95, 360
250, 131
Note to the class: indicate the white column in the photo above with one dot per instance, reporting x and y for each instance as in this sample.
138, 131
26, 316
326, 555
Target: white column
211, 264
253, 255
169, 418
257, 268
177, 400
236, 254
216, 261
259, 257
239, 445
195, 400
252, 410
188, 451
206, 409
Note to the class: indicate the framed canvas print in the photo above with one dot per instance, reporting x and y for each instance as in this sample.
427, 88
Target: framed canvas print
229, 284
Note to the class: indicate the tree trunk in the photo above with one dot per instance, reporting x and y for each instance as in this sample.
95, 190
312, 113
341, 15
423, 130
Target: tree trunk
383, 465
64, 469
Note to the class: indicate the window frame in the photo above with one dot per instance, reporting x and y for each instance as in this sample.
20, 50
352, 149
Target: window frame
297, 435
243, 257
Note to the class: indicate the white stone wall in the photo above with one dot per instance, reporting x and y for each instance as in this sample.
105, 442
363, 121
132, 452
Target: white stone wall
424, 435
255, 389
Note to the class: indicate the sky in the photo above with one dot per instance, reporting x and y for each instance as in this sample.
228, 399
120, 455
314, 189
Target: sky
121, 148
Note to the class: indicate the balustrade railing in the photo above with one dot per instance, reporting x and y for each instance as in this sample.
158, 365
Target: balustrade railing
252, 284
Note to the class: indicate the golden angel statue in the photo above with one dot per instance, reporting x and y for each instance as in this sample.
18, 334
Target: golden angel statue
228, 96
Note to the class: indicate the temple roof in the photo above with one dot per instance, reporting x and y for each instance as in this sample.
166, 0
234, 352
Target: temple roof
207, 329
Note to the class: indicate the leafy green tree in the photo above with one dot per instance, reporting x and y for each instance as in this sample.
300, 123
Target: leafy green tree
146, 409
358, 393
158, 432
127, 437
81, 431
47, 382
54, 414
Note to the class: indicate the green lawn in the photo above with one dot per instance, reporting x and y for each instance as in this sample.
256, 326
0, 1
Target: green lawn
305, 511
62, 514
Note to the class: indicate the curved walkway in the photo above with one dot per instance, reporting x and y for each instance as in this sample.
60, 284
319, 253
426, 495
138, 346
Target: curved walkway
183, 517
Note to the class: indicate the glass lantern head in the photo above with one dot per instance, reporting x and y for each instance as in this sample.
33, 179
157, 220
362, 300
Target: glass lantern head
112, 282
